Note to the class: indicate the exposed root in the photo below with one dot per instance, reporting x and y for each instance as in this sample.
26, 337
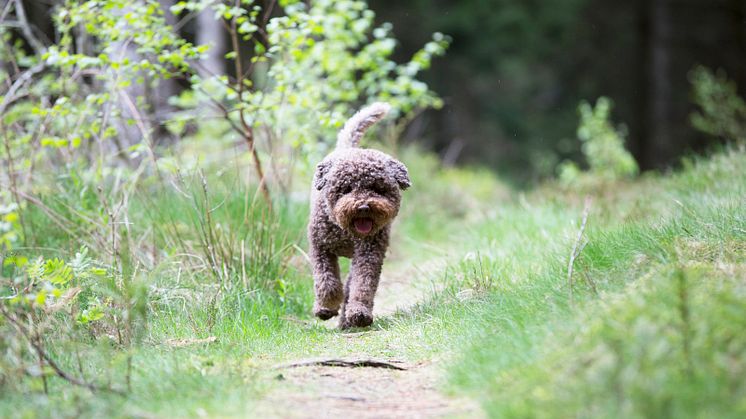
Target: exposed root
333, 362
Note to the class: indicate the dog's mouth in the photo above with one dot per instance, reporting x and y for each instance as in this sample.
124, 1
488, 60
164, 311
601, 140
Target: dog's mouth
352, 216
363, 225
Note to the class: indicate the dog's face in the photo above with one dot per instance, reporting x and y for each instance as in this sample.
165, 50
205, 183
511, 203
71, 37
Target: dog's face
362, 192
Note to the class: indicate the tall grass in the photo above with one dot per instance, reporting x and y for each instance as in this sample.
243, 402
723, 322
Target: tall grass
210, 260
652, 328
653, 332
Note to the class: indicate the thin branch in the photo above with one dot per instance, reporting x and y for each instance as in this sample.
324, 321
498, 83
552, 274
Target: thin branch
262, 27
186, 19
226, 112
136, 115
333, 362
49, 361
577, 246
268, 12
248, 132
55, 218
26, 29
237, 61
24, 78
5, 12
590, 283
10, 24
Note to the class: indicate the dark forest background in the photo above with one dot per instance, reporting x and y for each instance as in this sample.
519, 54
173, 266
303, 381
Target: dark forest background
516, 71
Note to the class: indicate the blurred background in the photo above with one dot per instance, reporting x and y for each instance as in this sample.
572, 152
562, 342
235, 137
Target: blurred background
515, 72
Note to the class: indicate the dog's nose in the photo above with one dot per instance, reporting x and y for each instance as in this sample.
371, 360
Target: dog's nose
364, 207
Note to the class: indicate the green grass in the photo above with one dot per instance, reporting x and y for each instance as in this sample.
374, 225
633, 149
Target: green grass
654, 327
646, 335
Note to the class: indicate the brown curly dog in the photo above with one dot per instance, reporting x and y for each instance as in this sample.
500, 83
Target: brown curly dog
355, 196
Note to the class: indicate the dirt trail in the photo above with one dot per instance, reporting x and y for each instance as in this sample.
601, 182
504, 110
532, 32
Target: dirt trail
333, 392
368, 392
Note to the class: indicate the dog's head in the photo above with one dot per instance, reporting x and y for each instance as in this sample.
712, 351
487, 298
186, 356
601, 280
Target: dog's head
362, 189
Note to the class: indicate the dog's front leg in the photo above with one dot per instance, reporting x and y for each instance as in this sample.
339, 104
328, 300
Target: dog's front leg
328, 287
365, 272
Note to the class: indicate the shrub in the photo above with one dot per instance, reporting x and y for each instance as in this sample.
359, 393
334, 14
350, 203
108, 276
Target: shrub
297, 77
722, 113
48, 303
602, 146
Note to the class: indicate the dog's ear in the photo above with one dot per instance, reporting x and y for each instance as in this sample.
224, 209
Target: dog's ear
319, 178
400, 173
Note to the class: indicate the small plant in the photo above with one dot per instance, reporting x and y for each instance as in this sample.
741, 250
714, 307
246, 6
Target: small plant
50, 302
722, 113
602, 146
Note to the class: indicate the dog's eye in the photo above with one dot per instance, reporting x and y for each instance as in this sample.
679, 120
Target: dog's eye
346, 190
380, 190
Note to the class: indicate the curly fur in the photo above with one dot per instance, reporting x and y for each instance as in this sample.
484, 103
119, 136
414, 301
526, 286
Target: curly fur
355, 196
355, 127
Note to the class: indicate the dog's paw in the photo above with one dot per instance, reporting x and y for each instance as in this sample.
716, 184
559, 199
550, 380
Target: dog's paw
324, 313
357, 315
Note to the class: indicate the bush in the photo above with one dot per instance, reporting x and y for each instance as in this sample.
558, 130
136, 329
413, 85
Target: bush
722, 112
602, 146
50, 303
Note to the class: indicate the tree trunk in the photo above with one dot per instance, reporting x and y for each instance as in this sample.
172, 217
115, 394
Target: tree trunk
659, 142
132, 126
163, 90
638, 139
210, 32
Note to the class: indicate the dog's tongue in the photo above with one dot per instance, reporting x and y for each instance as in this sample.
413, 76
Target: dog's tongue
363, 225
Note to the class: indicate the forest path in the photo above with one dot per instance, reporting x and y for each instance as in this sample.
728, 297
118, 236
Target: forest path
318, 391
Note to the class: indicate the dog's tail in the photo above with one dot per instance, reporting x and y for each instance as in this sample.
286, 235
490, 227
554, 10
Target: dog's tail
356, 126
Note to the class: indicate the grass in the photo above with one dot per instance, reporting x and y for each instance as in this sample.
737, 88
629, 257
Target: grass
643, 338
653, 329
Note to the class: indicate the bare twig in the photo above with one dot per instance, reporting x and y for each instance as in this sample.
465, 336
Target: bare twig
26, 29
577, 247
5, 12
56, 218
333, 362
247, 130
10, 96
43, 355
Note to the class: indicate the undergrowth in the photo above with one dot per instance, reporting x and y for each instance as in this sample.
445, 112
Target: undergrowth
650, 326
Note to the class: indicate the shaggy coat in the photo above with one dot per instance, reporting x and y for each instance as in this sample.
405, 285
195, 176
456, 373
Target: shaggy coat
355, 196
